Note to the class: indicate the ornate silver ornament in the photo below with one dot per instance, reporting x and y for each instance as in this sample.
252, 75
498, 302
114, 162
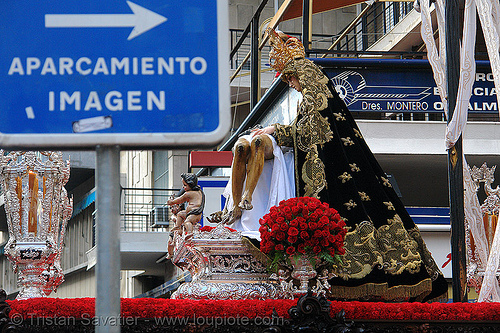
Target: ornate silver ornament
37, 209
222, 267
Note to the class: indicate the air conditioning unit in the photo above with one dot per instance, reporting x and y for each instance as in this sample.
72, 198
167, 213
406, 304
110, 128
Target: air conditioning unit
159, 217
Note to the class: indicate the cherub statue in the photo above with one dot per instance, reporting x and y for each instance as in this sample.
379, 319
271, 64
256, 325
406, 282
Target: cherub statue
174, 209
195, 199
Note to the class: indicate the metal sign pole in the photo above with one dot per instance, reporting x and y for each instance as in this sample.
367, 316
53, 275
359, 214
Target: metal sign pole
107, 301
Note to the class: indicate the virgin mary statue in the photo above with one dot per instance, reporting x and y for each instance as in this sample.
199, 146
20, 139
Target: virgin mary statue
386, 258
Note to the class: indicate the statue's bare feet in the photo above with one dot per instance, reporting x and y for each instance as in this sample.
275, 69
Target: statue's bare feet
232, 216
246, 203
216, 217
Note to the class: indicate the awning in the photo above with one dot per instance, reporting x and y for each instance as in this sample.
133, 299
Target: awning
295, 9
87, 200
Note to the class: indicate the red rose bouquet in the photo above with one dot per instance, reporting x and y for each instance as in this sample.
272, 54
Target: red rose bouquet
302, 226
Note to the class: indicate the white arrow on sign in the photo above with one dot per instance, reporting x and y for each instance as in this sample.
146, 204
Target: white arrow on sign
142, 20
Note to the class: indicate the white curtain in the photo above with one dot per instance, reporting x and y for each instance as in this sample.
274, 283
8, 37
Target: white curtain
489, 14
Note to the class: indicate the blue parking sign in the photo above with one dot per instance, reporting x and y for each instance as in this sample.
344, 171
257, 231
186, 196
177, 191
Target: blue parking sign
141, 73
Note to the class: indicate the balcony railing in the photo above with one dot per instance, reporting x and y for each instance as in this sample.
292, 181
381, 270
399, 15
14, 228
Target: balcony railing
145, 209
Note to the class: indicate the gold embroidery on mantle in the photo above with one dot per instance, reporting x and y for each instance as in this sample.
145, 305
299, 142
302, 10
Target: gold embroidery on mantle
345, 177
313, 174
364, 196
350, 205
386, 182
347, 141
311, 128
283, 135
430, 264
354, 167
389, 205
358, 133
389, 246
339, 117
372, 291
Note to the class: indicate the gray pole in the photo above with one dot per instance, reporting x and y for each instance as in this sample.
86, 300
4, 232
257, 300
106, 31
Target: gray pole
307, 25
255, 63
107, 302
455, 165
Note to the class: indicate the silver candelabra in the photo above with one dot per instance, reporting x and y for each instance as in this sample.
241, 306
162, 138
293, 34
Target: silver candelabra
37, 209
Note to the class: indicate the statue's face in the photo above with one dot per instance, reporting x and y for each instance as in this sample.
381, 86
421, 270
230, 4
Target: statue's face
185, 186
294, 83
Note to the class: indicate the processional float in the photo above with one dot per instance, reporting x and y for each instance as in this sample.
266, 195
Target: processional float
37, 209
225, 265
483, 234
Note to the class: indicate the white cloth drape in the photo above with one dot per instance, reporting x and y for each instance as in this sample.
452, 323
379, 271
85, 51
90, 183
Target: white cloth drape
489, 14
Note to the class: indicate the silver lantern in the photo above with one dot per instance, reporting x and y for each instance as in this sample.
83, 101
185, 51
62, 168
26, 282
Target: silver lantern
38, 210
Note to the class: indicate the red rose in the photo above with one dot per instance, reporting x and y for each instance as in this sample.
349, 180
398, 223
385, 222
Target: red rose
280, 236
324, 242
339, 239
267, 247
301, 248
293, 231
303, 226
305, 212
317, 249
300, 219
295, 210
284, 227
290, 250
292, 239
341, 251
289, 216
279, 247
313, 205
313, 225
280, 220
314, 217
294, 223
262, 229
318, 234
304, 235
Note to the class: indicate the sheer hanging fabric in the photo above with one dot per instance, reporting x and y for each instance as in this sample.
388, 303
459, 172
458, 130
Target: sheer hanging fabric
489, 14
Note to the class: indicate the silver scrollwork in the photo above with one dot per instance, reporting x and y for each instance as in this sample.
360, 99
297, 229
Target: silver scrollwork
37, 209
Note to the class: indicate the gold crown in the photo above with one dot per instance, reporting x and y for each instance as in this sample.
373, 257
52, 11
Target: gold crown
282, 53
